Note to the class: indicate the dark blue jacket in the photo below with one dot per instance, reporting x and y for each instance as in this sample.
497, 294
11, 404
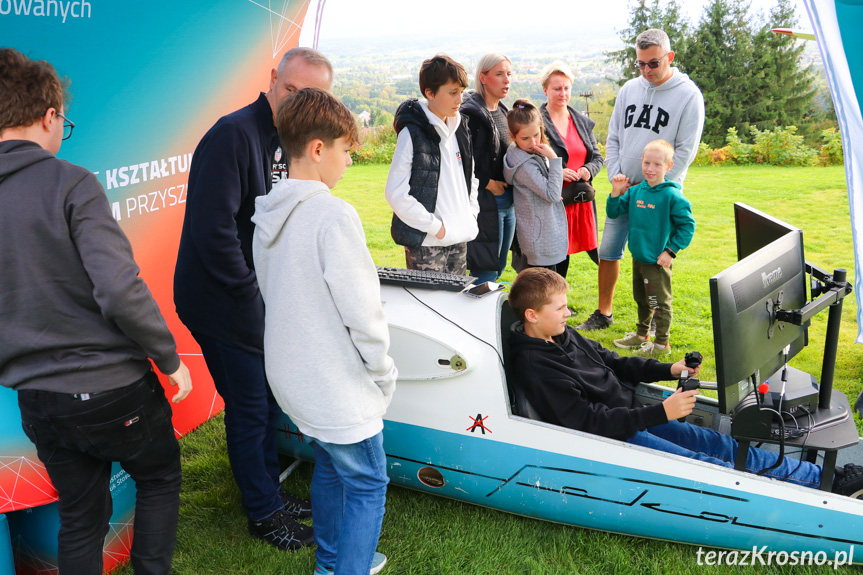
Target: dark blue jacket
215, 286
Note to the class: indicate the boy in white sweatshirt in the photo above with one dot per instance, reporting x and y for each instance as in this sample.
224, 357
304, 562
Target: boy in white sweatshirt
325, 335
431, 185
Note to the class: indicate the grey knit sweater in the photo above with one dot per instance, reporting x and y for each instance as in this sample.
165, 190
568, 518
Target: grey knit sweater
539, 214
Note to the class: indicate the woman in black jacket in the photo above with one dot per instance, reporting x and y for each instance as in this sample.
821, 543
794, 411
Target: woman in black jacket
486, 255
570, 134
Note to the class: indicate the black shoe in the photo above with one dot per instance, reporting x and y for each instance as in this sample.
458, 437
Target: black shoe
282, 531
597, 321
294, 505
849, 481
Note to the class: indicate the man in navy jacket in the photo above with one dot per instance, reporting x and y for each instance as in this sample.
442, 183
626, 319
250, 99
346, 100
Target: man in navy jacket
216, 290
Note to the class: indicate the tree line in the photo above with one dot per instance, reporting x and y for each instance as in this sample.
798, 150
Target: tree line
753, 80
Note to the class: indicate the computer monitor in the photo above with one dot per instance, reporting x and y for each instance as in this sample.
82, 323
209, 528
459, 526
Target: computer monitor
749, 343
755, 229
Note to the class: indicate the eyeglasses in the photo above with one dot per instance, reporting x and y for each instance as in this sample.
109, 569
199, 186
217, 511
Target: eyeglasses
653, 64
68, 126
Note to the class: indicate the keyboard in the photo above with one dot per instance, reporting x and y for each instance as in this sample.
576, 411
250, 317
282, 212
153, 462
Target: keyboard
423, 279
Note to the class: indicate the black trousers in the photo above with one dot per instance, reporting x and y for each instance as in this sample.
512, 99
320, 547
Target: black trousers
77, 440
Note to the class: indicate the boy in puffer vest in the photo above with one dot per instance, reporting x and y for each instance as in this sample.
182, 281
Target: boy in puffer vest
431, 185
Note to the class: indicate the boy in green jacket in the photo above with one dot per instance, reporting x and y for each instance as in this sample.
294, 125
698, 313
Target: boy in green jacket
660, 225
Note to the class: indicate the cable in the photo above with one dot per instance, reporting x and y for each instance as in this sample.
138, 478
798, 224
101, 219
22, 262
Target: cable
803, 445
496, 352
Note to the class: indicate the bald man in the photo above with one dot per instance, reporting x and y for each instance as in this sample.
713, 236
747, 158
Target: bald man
216, 290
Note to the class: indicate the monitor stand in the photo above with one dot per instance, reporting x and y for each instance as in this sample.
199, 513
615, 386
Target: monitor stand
827, 430
801, 393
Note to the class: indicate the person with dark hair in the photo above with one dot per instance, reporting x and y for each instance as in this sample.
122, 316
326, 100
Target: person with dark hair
574, 382
79, 330
536, 175
570, 135
661, 103
431, 185
489, 134
217, 296
327, 338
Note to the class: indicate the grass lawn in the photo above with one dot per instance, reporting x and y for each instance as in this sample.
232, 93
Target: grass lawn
426, 535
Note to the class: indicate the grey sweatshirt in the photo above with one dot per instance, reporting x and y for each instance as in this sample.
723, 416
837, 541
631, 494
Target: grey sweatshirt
672, 111
76, 318
542, 228
325, 335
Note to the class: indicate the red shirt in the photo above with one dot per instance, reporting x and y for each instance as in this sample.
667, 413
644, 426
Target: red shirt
579, 217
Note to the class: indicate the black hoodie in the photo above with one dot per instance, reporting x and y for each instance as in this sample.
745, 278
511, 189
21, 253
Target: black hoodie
75, 315
575, 382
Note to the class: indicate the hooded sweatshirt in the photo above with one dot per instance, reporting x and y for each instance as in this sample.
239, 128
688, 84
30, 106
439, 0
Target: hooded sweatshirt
672, 111
574, 382
325, 335
76, 318
542, 227
660, 218
456, 206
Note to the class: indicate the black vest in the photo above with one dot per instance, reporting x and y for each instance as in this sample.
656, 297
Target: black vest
425, 169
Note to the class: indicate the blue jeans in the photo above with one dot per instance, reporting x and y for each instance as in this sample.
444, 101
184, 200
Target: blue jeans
614, 236
506, 231
707, 445
349, 490
251, 419
77, 440
506, 219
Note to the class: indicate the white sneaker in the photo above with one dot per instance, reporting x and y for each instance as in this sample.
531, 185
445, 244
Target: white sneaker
378, 563
650, 349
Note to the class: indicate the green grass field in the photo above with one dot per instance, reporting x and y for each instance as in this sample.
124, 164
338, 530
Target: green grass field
425, 535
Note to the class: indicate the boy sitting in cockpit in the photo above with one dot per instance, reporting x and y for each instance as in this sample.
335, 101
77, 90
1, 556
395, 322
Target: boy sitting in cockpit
574, 382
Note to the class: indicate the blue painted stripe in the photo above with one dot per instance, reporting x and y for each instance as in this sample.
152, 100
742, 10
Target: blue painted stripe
577, 491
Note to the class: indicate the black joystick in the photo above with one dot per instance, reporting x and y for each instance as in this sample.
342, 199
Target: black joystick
692, 360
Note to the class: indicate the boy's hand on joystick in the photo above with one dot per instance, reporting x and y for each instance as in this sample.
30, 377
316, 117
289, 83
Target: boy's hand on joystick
692, 361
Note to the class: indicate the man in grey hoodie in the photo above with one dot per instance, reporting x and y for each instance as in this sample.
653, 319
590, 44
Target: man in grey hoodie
662, 103
79, 330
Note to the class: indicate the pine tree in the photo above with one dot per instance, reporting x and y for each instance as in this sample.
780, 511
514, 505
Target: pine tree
670, 19
719, 61
644, 15
788, 88
749, 76
639, 20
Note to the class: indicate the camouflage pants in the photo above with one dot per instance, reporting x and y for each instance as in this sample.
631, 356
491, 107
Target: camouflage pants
449, 259
651, 287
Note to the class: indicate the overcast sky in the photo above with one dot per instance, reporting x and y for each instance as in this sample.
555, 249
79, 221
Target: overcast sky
536, 21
